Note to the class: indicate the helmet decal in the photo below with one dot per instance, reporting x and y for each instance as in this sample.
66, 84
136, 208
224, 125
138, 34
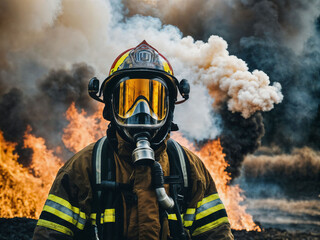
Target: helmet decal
115, 66
142, 56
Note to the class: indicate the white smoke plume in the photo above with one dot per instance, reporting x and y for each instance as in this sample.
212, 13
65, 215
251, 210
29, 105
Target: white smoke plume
39, 37
280, 37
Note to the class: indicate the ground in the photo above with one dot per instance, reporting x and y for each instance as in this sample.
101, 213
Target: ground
22, 229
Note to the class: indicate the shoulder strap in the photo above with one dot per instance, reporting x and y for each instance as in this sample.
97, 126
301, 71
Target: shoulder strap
179, 187
179, 165
175, 151
96, 163
103, 166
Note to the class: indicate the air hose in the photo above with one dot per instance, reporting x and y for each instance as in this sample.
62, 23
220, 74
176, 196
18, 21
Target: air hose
164, 200
143, 154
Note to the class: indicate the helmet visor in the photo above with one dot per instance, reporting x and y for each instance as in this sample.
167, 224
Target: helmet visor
140, 102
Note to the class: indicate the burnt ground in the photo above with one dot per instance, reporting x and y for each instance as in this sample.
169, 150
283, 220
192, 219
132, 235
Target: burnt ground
22, 229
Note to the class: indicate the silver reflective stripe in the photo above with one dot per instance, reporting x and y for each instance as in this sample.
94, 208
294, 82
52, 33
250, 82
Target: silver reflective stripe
209, 205
98, 160
188, 217
66, 210
183, 164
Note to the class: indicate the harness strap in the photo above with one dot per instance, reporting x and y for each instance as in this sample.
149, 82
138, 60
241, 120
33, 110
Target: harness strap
98, 161
105, 202
104, 170
179, 187
182, 159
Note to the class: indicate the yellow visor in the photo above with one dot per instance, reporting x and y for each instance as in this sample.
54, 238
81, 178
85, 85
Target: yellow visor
140, 102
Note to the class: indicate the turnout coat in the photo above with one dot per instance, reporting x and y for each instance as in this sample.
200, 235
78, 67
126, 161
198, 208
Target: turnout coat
69, 208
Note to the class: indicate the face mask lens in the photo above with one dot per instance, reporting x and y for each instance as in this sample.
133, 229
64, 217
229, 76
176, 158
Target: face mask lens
140, 102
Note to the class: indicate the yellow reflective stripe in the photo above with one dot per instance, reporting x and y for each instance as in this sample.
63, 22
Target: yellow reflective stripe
209, 211
172, 216
190, 211
55, 226
210, 226
119, 62
187, 223
63, 216
93, 217
109, 215
66, 204
189, 217
205, 200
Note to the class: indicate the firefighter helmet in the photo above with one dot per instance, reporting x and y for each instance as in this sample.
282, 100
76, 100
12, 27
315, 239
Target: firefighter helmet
140, 93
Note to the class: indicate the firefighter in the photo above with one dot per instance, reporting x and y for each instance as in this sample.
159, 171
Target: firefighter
135, 183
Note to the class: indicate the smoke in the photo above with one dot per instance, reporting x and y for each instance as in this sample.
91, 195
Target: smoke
239, 137
280, 38
285, 22
44, 42
297, 172
44, 111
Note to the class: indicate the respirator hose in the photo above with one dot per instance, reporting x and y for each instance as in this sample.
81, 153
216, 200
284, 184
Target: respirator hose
164, 200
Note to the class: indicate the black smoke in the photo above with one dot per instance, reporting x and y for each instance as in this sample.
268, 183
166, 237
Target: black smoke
43, 110
279, 37
240, 137
57, 90
14, 121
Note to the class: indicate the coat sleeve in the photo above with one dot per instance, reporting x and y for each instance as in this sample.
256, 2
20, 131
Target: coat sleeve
206, 217
67, 207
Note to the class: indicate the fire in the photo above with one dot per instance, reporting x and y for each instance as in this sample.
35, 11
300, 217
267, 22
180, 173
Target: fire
82, 129
214, 159
45, 164
24, 190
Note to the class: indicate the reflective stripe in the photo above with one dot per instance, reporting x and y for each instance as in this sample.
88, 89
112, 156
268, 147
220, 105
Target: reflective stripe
109, 215
55, 226
209, 211
63, 216
210, 226
210, 214
66, 204
64, 210
209, 205
172, 216
208, 199
60, 210
182, 163
188, 218
93, 217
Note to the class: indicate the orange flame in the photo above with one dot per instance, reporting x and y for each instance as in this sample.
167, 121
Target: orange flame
82, 129
214, 159
23, 191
